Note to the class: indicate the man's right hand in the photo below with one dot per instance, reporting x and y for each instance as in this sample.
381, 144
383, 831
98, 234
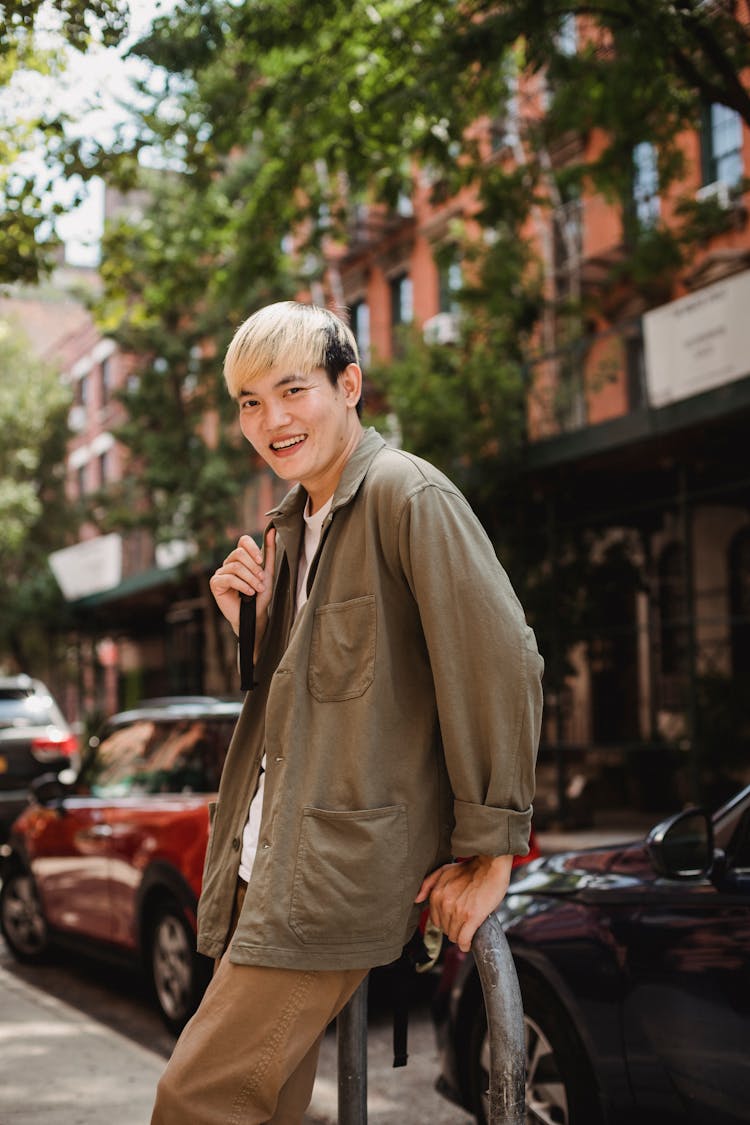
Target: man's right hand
246, 571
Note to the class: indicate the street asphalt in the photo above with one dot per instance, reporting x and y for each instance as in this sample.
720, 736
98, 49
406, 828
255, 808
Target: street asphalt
60, 1066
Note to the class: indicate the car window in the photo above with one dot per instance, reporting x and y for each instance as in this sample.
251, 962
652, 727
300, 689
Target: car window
22, 708
157, 756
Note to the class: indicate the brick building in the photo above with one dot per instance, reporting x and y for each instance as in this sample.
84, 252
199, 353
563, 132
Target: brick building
635, 433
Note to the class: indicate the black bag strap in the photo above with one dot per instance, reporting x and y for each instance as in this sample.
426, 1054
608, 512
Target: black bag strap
414, 956
247, 642
403, 985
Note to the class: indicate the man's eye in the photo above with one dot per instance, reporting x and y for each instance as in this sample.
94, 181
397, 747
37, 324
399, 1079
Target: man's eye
247, 403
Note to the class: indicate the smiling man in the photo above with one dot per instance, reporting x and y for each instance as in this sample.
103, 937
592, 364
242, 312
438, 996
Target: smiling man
393, 727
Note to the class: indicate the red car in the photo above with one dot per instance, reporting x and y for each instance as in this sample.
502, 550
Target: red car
115, 860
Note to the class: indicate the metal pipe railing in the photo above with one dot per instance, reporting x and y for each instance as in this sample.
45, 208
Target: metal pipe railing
502, 1000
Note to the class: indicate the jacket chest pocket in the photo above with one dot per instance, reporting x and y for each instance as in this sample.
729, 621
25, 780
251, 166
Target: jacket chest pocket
349, 875
342, 650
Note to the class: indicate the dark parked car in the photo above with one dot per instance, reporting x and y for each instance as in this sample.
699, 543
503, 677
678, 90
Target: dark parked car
634, 966
114, 861
34, 739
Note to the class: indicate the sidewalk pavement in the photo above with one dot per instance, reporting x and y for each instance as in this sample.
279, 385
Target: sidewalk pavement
60, 1067
610, 829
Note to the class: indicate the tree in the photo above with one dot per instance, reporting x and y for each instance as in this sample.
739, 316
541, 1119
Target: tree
34, 515
27, 212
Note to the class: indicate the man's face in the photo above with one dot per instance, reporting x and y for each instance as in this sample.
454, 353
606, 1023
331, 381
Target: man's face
303, 426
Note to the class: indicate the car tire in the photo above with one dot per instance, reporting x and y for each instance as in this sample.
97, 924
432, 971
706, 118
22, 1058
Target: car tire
560, 1084
22, 920
179, 974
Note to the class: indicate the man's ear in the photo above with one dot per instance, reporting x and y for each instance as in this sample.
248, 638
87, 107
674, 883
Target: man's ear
350, 381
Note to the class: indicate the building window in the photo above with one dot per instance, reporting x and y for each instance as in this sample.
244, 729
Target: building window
635, 369
567, 244
673, 612
402, 302
81, 481
82, 391
106, 381
721, 145
103, 469
505, 131
646, 184
450, 281
739, 601
360, 325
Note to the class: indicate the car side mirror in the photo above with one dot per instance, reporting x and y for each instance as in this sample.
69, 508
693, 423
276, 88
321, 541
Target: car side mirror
683, 846
49, 789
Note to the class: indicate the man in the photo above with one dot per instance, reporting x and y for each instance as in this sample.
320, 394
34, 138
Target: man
392, 728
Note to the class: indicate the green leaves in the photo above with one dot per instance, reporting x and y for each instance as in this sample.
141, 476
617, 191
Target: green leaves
34, 515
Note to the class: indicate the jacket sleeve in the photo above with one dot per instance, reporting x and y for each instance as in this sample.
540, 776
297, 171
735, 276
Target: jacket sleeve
486, 670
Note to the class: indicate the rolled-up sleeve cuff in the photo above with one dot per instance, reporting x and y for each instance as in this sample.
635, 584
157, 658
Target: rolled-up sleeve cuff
482, 830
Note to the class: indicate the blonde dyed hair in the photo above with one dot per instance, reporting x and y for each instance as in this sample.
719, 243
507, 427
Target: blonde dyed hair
300, 338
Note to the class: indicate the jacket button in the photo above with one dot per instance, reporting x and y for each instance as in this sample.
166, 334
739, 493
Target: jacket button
278, 759
266, 846
236, 843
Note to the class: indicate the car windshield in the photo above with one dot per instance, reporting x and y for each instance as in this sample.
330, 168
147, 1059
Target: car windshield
153, 756
22, 708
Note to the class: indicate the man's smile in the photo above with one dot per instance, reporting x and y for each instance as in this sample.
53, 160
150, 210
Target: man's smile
288, 443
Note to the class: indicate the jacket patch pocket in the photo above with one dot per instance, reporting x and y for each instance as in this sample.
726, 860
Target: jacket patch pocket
342, 650
349, 875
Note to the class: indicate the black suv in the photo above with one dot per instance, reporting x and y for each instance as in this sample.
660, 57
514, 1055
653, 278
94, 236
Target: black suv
34, 739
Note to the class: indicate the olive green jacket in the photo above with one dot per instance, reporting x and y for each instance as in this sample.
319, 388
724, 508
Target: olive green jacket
399, 715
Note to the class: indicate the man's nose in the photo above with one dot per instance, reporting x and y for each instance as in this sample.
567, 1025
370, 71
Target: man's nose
276, 414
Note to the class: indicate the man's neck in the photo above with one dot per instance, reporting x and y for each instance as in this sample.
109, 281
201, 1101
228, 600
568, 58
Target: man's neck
319, 494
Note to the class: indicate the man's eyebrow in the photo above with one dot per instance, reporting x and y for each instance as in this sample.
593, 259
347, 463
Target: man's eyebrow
284, 381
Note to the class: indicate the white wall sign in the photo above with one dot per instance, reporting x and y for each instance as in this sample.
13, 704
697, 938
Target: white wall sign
698, 342
89, 567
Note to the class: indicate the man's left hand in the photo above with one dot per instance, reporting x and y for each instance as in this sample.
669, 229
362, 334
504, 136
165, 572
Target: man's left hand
462, 895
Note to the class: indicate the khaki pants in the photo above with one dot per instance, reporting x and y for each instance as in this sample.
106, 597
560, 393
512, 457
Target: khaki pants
248, 1056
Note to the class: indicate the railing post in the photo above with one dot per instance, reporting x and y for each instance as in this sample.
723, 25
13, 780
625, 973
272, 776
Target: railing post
351, 1044
502, 1000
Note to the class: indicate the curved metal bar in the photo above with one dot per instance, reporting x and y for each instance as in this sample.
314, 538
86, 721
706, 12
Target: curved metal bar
502, 999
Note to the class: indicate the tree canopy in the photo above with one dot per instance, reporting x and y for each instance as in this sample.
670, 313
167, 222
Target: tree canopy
34, 37
33, 512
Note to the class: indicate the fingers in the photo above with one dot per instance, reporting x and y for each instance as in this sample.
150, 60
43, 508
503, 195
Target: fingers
462, 895
242, 570
270, 553
427, 885
465, 935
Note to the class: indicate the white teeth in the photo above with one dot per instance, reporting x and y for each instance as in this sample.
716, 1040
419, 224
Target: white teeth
289, 441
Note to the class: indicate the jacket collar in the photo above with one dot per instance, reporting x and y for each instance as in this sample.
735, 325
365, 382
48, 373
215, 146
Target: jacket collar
354, 472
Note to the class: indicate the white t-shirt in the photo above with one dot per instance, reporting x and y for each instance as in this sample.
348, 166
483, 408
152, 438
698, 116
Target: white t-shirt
251, 832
